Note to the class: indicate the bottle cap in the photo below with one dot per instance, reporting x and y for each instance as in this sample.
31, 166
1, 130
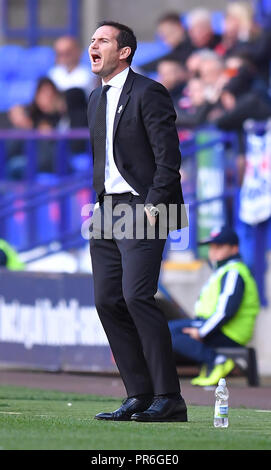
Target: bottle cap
222, 382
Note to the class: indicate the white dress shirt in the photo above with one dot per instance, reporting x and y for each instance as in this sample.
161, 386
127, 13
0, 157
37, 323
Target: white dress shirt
114, 182
79, 77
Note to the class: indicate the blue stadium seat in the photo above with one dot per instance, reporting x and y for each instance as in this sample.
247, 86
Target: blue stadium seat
4, 100
35, 62
20, 68
81, 163
218, 21
9, 59
21, 92
152, 75
148, 51
263, 13
48, 213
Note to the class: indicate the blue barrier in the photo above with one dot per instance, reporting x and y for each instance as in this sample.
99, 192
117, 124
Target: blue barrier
30, 141
45, 207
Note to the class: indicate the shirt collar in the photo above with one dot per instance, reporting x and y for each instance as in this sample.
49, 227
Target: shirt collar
236, 257
118, 80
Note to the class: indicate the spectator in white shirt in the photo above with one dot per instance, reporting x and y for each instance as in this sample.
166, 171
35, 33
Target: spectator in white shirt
68, 71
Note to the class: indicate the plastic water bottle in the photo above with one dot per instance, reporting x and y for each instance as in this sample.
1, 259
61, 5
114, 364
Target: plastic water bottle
221, 405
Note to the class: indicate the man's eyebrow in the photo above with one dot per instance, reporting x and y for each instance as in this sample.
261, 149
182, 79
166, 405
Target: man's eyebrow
101, 38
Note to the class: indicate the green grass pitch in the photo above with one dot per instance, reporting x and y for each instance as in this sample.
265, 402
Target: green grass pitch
39, 419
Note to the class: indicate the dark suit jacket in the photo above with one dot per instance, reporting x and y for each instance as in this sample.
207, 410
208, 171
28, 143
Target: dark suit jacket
145, 141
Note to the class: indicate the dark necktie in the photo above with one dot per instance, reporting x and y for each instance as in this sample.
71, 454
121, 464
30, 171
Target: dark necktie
99, 139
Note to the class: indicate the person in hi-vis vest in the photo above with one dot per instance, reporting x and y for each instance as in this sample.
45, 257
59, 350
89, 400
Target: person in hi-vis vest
9, 258
225, 311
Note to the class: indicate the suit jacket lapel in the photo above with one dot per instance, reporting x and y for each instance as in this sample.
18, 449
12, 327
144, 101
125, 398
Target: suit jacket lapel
124, 98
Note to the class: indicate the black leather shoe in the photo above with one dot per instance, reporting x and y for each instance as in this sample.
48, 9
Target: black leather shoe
163, 409
128, 407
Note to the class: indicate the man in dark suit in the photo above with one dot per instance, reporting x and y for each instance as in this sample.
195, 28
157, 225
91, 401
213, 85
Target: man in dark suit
136, 166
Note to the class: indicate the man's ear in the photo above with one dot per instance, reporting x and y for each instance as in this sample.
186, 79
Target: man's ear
125, 52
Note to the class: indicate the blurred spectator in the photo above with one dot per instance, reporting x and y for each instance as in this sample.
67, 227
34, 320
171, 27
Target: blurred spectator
225, 312
244, 37
173, 75
77, 114
211, 71
194, 107
240, 103
238, 27
171, 30
211, 68
47, 111
203, 90
195, 60
50, 109
76, 107
68, 72
235, 63
258, 51
200, 30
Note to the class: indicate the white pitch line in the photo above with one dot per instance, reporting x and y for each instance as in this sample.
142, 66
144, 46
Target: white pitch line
10, 413
263, 411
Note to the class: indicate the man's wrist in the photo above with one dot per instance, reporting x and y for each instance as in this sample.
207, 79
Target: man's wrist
152, 209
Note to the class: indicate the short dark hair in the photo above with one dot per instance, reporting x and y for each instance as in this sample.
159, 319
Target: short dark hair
126, 37
171, 17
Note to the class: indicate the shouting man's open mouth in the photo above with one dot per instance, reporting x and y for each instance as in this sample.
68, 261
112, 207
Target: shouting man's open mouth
96, 58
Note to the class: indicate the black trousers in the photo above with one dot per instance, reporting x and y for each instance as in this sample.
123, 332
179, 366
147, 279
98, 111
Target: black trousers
125, 273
